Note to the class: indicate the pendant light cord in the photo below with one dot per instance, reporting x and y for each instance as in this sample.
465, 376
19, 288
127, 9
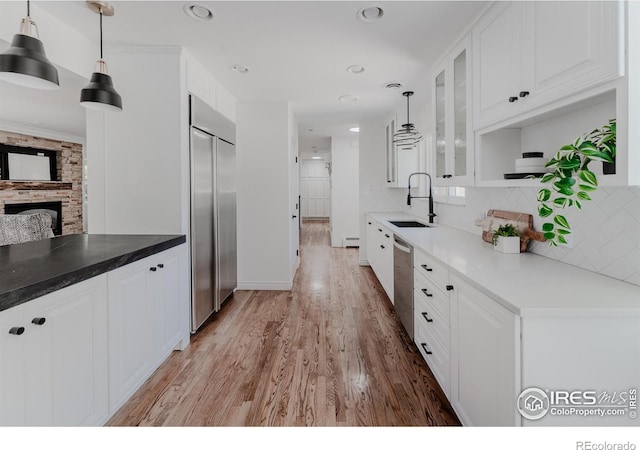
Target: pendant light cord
28, 8
100, 33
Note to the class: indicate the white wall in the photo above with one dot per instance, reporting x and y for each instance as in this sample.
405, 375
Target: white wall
137, 172
264, 210
344, 190
294, 192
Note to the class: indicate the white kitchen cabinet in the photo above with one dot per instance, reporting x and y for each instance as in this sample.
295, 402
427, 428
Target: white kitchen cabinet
380, 254
55, 372
529, 54
147, 320
451, 91
485, 375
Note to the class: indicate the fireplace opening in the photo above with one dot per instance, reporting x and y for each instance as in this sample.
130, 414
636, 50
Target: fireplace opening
54, 209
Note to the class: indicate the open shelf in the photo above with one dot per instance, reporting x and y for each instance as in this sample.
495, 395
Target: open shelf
498, 149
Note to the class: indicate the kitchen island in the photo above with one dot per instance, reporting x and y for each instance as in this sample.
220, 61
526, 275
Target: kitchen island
84, 321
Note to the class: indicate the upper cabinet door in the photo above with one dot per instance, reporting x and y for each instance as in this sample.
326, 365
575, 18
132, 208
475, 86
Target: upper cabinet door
573, 45
531, 54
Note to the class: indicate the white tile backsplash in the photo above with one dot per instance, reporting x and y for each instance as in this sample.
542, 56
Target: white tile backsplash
606, 232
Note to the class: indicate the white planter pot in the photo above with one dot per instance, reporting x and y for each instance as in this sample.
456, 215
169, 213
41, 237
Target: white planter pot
507, 244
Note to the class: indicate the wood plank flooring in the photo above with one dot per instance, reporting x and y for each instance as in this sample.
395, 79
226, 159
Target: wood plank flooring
329, 353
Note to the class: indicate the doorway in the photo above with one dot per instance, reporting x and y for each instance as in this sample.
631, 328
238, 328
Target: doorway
315, 189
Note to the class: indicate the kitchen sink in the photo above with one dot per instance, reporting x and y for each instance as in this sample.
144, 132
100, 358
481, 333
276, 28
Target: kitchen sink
408, 224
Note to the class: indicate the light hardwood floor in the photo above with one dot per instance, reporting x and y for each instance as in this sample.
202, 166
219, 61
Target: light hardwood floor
331, 352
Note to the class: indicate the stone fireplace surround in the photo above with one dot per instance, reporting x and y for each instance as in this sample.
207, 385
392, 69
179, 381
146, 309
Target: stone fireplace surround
67, 189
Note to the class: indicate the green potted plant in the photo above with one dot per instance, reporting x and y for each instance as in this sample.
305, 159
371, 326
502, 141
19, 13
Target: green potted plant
506, 239
571, 180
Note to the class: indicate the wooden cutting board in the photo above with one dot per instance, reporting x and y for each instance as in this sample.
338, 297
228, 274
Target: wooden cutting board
522, 221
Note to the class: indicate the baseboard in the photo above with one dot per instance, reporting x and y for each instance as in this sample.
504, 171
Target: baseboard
264, 286
363, 262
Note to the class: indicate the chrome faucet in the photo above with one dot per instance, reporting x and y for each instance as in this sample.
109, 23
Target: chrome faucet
430, 197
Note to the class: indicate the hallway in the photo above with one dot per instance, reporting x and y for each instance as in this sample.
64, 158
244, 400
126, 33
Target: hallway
328, 353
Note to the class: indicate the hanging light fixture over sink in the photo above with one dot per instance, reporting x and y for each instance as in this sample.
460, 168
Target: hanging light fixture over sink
24, 62
100, 94
407, 137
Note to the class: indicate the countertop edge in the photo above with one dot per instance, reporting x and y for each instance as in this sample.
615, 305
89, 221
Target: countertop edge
27, 293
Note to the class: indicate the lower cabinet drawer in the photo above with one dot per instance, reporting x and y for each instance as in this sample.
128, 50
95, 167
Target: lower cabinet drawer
426, 316
435, 271
438, 300
436, 357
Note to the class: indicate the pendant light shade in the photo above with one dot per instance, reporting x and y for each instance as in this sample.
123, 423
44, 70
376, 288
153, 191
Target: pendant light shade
24, 62
100, 94
407, 137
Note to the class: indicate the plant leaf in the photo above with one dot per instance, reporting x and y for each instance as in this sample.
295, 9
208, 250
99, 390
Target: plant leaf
549, 235
598, 156
547, 226
562, 239
572, 163
578, 204
586, 187
547, 177
562, 221
588, 177
583, 196
544, 210
563, 231
566, 182
551, 162
564, 190
544, 195
560, 202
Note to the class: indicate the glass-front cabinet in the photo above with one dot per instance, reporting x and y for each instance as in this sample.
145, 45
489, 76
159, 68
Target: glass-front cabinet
400, 163
453, 146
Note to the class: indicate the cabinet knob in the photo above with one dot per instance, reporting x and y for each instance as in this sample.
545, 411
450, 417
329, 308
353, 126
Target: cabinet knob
382, 247
449, 287
426, 350
380, 230
524, 93
17, 331
426, 317
369, 223
153, 269
427, 293
427, 268
161, 266
513, 99
386, 235
38, 320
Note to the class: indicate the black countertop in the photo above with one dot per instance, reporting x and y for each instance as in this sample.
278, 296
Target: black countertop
36, 268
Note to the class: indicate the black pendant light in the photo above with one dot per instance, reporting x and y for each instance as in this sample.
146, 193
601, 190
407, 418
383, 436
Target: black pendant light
24, 62
407, 137
100, 94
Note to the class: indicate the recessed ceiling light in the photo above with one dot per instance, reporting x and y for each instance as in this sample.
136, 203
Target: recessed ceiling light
348, 98
355, 129
370, 13
393, 85
239, 68
357, 69
316, 157
197, 11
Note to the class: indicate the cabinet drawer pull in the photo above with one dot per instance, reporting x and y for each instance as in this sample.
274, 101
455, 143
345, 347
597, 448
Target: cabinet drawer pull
424, 346
446, 175
382, 247
369, 223
449, 287
17, 331
427, 293
427, 268
161, 266
523, 93
38, 320
426, 317
380, 230
153, 269
513, 99
386, 235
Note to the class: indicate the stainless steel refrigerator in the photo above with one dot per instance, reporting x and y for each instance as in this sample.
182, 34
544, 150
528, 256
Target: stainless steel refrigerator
213, 210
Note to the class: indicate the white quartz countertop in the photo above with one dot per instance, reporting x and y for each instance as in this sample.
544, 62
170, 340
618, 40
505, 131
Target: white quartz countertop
526, 284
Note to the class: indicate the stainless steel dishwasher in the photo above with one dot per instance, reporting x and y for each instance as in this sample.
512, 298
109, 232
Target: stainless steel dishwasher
403, 282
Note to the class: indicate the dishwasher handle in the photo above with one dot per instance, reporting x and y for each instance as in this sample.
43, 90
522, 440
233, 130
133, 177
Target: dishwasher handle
399, 245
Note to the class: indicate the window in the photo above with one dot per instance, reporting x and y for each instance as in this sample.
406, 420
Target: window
452, 195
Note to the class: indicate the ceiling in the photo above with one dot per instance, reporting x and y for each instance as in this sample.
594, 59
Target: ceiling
296, 51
